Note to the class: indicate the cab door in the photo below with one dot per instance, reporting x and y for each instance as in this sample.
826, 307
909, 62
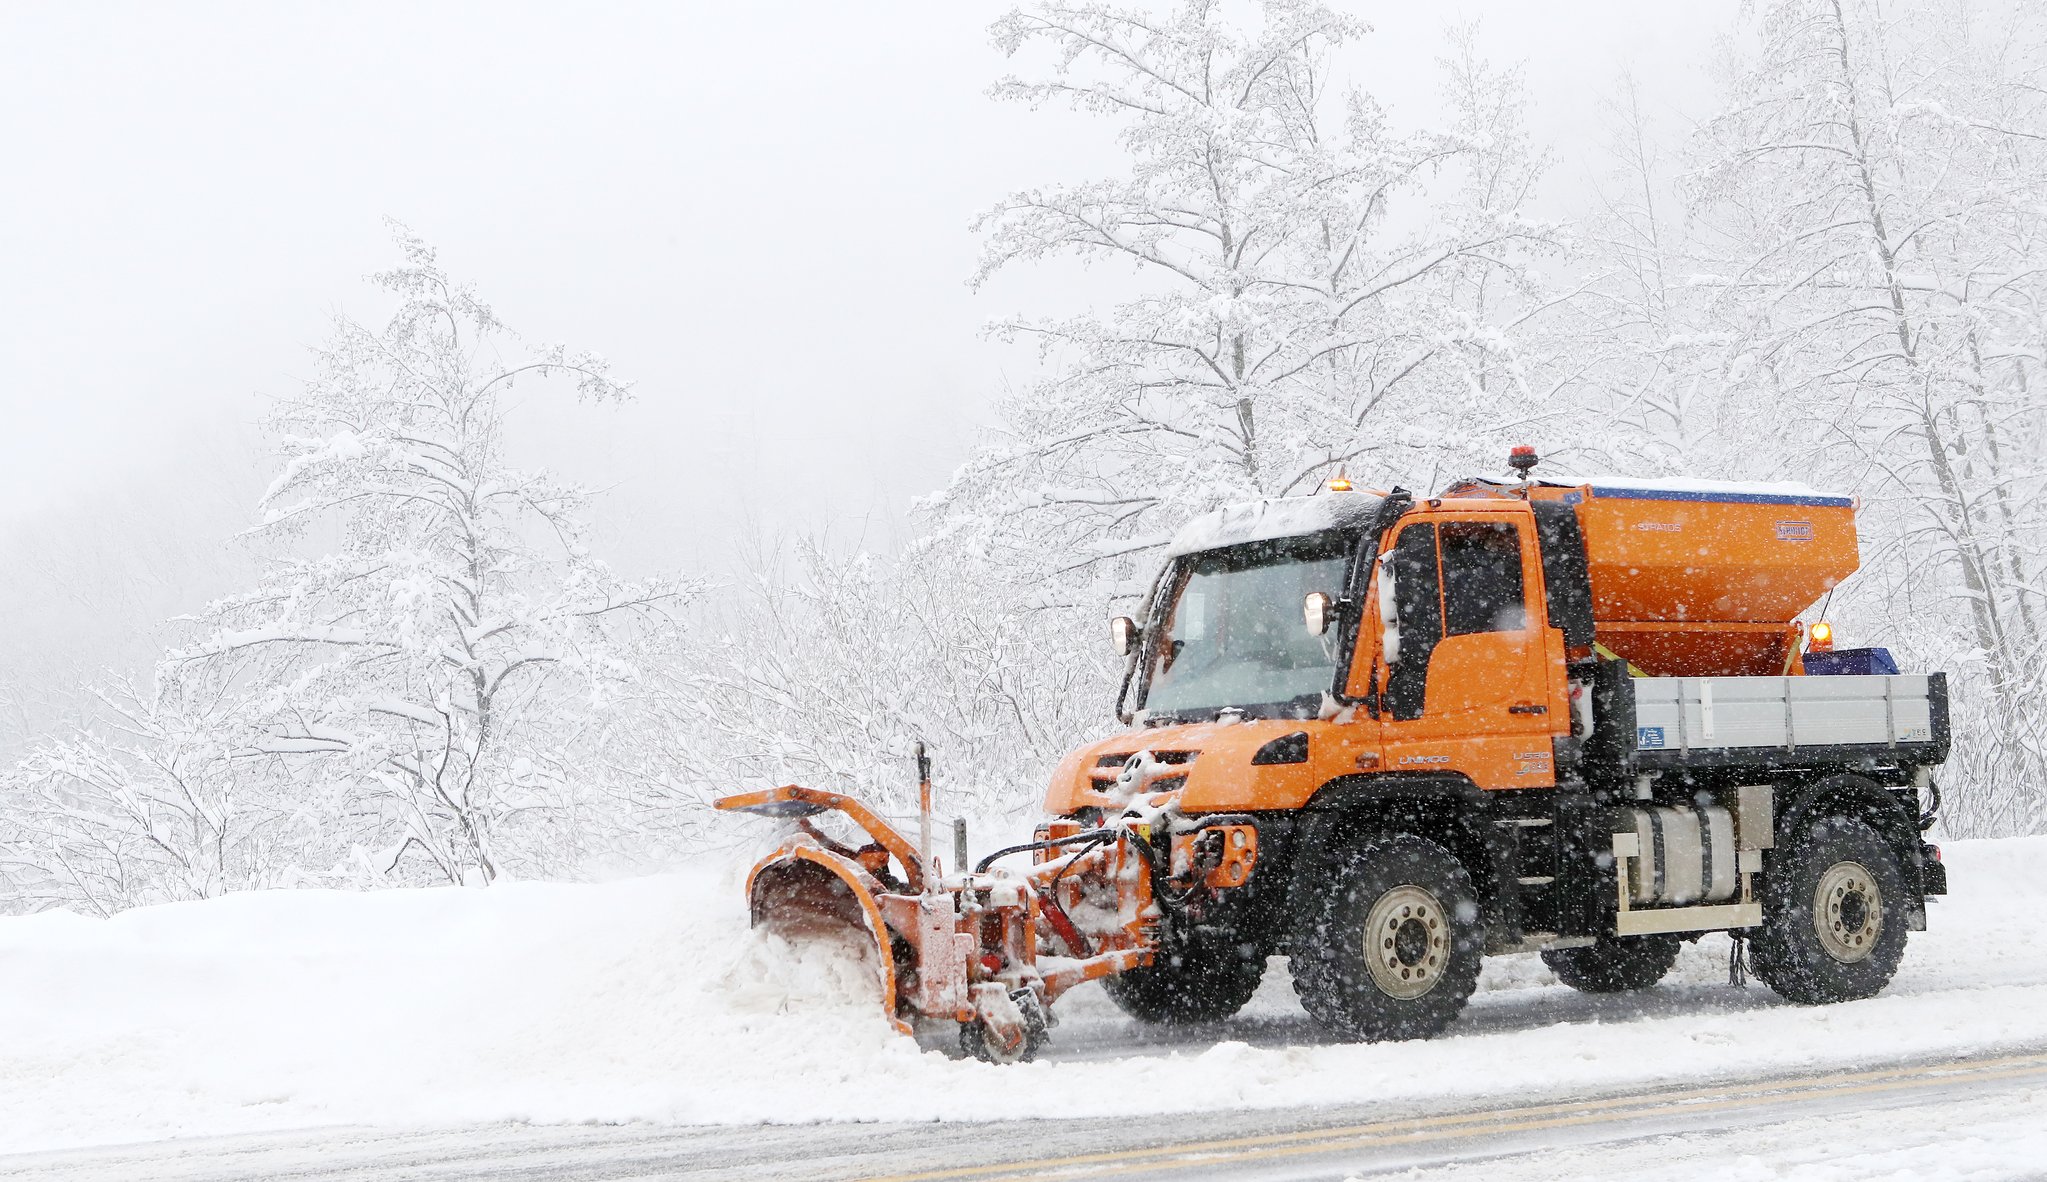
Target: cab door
1469, 692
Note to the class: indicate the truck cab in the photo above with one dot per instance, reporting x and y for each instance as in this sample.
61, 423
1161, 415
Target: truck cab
1476, 684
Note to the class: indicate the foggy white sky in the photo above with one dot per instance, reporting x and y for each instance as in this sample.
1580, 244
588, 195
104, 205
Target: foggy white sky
759, 210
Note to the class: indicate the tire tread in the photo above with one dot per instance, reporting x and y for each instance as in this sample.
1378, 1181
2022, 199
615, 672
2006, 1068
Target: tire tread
1332, 982
1785, 952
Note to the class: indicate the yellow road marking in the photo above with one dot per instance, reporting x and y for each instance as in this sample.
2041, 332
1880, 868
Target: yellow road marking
1462, 1124
1337, 1144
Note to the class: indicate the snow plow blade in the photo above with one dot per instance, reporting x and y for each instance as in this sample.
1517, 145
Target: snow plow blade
812, 886
985, 951
806, 895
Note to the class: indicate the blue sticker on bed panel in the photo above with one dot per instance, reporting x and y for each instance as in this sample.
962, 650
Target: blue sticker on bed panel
1648, 736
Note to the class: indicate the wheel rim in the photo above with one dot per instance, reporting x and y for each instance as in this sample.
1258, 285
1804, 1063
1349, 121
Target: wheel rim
1407, 942
1847, 910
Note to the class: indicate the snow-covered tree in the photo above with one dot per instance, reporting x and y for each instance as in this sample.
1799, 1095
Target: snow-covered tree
164, 800
1638, 335
1872, 200
453, 634
1320, 289
824, 668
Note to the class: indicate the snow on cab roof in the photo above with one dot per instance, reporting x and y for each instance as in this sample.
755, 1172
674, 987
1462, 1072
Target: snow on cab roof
1275, 517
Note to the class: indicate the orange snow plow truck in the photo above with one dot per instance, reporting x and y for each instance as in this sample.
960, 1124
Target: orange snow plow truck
1387, 737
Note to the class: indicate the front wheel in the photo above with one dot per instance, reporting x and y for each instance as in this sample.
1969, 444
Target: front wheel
1390, 948
1833, 915
1201, 981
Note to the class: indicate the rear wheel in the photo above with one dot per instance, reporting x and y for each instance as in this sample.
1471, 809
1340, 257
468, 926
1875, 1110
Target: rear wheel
1205, 980
1616, 964
1833, 915
1391, 948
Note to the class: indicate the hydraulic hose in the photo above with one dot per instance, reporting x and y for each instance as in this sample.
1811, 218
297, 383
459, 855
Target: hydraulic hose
1144, 848
1160, 887
1055, 912
1095, 836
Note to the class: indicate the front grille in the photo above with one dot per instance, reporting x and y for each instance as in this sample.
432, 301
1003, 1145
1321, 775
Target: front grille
1166, 757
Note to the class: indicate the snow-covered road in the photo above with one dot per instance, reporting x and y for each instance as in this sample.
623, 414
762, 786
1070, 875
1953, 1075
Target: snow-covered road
1976, 1120
647, 1004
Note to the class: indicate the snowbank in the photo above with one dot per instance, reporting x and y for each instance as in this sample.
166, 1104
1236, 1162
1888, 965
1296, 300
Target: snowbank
650, 1000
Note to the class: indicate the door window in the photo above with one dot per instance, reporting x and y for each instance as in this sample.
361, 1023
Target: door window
1459, 578
1482, 588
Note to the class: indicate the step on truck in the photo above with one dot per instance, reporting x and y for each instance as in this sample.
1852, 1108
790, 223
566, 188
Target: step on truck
1387, 737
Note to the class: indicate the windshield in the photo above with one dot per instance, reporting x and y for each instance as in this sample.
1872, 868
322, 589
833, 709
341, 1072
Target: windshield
1233, 634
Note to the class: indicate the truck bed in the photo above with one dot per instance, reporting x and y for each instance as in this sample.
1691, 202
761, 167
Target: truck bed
1776, 721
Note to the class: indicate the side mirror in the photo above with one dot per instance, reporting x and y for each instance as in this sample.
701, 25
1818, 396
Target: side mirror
1318, 609
1389, 612
1125, 633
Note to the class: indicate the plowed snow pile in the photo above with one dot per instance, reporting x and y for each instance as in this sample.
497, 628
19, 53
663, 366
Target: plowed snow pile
651, 1000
